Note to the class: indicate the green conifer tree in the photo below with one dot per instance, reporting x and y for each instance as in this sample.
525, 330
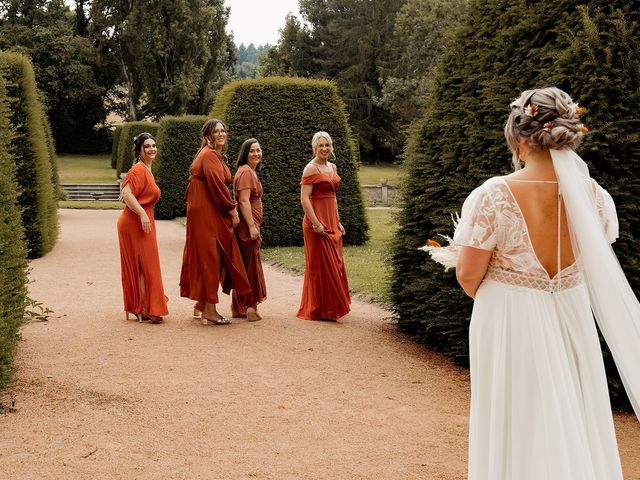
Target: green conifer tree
588, 48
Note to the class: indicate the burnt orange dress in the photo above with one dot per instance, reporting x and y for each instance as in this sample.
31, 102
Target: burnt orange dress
325, 291
246, 179
211, 255
139, 250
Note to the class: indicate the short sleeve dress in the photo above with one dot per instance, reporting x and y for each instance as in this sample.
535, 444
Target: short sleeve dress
139, 250
246, 179
539, 403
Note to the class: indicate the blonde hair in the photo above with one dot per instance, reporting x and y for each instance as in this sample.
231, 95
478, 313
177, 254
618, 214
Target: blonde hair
543, 118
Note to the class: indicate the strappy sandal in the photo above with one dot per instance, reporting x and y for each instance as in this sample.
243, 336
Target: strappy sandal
197, 310
252, 315
215, 321
136, 315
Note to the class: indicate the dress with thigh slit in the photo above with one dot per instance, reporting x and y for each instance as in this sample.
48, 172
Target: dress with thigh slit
540, 408
139, 250
211, 255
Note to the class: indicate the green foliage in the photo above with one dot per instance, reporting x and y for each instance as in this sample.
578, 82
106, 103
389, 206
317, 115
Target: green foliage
588, 48
178, 142
174, 54
31, 154
350, 39
422, 31
53, 159
293, 55
66, 71
125, 143
115, 142
248, 58
283, 114
13, 263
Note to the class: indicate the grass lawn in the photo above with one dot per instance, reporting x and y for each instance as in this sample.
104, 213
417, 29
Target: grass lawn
95, 205
85, 169
367, 269
371, 174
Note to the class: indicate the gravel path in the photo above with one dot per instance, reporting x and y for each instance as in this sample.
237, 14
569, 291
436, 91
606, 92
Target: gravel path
100, 397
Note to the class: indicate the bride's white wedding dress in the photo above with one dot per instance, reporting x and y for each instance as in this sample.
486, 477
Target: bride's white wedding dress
539, 406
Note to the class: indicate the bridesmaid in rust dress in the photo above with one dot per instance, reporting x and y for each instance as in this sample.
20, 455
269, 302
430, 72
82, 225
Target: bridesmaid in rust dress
248, 192
211, 255
325, 291
142, 287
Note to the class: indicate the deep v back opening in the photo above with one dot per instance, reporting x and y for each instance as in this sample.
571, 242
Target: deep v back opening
558, 233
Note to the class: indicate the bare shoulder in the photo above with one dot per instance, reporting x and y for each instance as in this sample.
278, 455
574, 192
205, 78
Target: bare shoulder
309, 169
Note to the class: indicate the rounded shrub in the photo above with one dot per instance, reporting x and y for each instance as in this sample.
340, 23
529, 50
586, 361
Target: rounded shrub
283, 114
178, 142
125, 143
13, 251
32, 155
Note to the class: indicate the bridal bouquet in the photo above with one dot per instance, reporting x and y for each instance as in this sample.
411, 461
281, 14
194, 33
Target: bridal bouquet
446, 255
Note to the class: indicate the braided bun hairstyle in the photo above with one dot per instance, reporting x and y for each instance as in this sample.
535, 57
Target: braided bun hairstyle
544, 118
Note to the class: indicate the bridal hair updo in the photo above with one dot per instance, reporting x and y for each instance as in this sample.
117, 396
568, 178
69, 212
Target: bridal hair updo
544, 118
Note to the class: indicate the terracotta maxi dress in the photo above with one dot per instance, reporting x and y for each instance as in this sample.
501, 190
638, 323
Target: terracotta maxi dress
211, 255
246, 179
325, 291
139, 250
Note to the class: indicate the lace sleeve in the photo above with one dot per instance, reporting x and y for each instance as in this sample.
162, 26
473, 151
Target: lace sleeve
607, 213
476, 227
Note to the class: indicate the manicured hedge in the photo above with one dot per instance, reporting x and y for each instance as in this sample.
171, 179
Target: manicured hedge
178, 141
53, 157
114, 146
13, 251
283, 114
125, 143
502, 49
31, 154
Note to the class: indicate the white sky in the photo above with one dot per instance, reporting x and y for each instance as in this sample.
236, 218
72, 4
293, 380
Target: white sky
258, 21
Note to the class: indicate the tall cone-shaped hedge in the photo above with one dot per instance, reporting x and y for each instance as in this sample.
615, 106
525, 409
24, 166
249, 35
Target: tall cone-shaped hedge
13, 262
588, 48
31, 153
129, 130
178, 141
283, 114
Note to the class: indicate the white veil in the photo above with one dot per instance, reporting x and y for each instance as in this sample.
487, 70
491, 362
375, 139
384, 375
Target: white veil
613, 302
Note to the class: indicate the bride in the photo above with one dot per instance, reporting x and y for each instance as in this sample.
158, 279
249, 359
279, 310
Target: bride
535, 254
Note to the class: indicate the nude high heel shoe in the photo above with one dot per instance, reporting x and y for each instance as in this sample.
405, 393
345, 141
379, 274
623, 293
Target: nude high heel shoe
136, 315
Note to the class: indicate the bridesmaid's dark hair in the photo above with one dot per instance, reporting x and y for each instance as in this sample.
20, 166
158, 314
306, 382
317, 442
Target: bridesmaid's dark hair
138, 142
207, 132
243, 156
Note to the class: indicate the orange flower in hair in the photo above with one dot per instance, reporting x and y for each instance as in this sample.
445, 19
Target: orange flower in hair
531, 110
580, 110
584, 129
433, 243
548, 126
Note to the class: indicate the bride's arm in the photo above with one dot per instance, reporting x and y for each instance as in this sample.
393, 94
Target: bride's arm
471, 268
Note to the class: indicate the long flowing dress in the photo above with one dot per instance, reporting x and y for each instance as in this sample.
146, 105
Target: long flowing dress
325, 290
246, 179
539, 403
211, 255
139, 250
